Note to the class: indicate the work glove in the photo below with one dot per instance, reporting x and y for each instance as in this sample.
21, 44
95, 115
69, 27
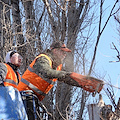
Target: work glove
68, 80
66, 75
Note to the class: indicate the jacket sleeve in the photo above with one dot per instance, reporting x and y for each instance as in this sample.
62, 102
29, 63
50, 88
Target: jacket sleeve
43, 67
3, 72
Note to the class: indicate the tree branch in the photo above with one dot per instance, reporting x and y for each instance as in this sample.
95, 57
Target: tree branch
100, 32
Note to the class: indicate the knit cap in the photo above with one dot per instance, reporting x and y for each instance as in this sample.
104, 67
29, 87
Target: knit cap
8, 56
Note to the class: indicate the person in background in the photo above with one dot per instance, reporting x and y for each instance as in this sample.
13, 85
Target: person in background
11, 104
8, 71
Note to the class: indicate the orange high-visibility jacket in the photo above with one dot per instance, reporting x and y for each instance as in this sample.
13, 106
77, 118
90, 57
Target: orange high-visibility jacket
11, 77
37, 83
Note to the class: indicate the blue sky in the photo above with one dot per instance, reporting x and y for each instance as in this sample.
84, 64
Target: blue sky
105, 54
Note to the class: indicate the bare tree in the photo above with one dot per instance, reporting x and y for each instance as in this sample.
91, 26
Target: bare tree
35, 24
18, 31
5, 25
66, 24
100, 31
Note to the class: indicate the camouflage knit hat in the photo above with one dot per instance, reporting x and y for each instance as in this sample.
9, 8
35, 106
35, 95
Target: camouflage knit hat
60, 45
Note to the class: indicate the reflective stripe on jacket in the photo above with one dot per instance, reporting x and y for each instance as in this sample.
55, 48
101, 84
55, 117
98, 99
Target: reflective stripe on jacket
39, 84
11, 77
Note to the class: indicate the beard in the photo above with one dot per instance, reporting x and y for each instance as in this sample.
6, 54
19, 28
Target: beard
56, 61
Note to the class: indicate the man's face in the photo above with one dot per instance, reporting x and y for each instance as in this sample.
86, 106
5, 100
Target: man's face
60, 54
16, 59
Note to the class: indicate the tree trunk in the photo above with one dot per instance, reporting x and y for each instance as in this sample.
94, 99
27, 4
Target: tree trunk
29, 32
17, 30
4, 28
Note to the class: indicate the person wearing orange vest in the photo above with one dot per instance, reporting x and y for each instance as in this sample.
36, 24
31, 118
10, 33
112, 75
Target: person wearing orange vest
42, 74
11, 104
8, 71
45, 69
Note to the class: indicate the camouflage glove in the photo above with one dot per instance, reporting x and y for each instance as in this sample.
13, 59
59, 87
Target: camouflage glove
66, 75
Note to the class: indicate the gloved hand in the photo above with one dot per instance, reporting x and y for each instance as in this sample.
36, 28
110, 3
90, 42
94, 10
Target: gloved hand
66, 75
68, 80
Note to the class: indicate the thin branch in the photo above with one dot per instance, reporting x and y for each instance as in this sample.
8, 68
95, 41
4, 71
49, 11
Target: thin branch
40, 19
59, 5
100, 32
118, 56
98, 38
60, 112
109, 17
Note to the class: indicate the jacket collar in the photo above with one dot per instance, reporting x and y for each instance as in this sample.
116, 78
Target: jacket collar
14, 67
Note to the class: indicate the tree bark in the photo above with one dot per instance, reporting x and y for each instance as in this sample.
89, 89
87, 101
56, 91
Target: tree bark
17, 30
4, 28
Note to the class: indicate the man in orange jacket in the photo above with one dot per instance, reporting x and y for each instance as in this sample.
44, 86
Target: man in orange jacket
8, 71
43, 72
45, 69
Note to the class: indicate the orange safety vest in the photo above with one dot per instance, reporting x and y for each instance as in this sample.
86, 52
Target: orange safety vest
37, 83
11, 77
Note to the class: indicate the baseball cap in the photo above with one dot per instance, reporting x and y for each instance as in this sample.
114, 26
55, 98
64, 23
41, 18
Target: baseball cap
60, 45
